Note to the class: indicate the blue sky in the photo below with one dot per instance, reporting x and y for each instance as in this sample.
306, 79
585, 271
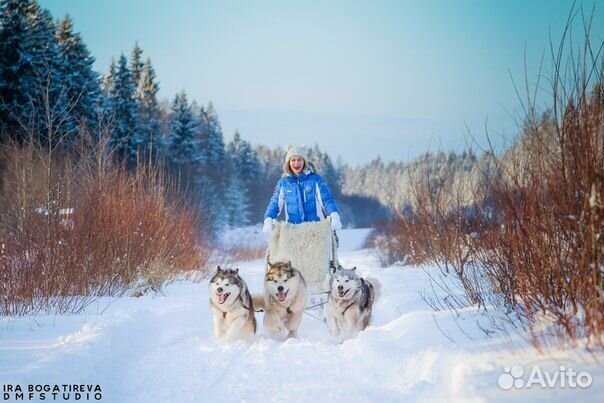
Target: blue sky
360, 78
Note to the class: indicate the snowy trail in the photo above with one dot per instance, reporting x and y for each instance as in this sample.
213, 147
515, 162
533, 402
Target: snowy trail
160, 349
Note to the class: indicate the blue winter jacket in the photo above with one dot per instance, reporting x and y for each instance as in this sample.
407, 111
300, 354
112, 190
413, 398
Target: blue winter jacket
304, 196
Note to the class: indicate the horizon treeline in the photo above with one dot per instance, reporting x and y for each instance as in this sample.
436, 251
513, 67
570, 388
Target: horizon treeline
50, 94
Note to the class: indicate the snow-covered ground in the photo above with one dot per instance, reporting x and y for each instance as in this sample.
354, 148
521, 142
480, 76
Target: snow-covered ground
160, 349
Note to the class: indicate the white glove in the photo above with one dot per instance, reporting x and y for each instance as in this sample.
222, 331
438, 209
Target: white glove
336, 224
268, 225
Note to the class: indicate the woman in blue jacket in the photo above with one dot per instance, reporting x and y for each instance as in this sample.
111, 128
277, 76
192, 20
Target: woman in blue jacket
301, 194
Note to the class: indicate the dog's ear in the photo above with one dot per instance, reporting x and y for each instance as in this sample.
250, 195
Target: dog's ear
218, 269
236, 271
289, 263
354, 268
332, 266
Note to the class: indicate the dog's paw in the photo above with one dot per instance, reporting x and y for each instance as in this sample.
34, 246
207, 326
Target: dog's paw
278, 335
342, 338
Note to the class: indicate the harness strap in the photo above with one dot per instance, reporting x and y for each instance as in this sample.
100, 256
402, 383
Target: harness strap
247, 307
250, 309
224, 314
351, 304
344, 311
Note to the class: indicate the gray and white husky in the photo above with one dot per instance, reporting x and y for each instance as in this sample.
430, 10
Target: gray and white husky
231, 305
350, 302
283, 301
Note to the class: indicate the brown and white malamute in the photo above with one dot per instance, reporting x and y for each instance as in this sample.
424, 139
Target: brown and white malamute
283, 301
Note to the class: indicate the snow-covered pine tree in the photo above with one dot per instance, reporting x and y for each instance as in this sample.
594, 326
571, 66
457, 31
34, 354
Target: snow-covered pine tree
325, 168
245, 170
187, 159
108, 79
245, 159
150, 125
165, 127
271, 161
215, 138
212, 202
215, 166
30, 81
204, 133
49, 99
184, 142
14, 38
80, 81
270, 165
236, 199
136, 63
125, 137
107, 91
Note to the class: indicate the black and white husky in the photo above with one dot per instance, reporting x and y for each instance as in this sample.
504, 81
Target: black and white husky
350, 302
231, 305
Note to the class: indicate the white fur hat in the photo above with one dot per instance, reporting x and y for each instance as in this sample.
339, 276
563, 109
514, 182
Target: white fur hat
292, 151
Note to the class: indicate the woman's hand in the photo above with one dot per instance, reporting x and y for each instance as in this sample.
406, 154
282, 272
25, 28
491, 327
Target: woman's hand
268, 225
336, 224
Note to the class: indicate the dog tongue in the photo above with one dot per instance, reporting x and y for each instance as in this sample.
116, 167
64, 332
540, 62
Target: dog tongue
281, 296
222, 297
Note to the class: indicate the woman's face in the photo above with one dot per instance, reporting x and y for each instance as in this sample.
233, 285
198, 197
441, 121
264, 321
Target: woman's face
296, 164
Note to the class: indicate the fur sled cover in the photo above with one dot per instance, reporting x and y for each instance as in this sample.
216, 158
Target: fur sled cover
307, 246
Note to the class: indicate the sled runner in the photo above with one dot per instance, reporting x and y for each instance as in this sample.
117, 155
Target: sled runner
310, 247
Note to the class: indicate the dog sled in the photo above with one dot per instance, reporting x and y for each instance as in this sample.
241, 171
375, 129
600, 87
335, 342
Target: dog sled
311, 247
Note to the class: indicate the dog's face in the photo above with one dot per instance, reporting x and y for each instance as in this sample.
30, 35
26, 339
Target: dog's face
225, 286
344, 283
280, 278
